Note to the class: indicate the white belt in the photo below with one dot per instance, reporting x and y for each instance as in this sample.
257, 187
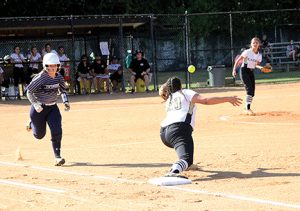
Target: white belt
49, 104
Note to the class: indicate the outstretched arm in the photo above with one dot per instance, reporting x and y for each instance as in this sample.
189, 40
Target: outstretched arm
234, 100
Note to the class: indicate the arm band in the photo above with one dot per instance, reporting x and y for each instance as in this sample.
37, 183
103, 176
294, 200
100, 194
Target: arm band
64, 97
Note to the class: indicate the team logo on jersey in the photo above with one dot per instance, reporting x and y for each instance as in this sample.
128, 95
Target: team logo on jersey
142, 64
53, 86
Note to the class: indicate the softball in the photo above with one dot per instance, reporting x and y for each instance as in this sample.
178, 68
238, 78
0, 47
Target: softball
191, 68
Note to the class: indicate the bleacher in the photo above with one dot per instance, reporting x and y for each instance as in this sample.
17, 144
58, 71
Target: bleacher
279, 59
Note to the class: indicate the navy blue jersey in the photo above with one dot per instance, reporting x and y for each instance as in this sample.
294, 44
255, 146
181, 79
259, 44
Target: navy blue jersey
45, 89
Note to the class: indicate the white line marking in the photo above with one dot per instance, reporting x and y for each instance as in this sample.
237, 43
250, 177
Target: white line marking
204, 192
113, 179
34, 187
227, 118
231, 196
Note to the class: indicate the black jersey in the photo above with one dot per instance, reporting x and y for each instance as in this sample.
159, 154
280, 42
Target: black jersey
139, 66
99, 68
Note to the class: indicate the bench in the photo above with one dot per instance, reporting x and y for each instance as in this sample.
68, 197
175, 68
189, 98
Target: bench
278, 55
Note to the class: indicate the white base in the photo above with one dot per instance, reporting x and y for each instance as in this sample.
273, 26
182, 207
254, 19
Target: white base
169, 181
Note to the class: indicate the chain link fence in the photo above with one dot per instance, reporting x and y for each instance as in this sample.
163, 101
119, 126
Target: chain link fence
171, 42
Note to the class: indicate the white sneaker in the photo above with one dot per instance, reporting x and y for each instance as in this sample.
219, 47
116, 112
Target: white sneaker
59, 161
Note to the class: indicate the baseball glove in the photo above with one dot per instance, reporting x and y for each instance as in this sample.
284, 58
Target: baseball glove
163, 92
267, 68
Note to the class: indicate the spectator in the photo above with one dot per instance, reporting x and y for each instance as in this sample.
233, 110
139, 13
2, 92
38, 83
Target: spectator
291, 50
116, 73
4, 77
17, 59
63, 58
266, 48
139, 68
83, 70
48, 49
33, 58
100, 74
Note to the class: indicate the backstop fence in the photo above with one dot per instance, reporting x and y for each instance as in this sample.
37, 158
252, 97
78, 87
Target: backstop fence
171, 42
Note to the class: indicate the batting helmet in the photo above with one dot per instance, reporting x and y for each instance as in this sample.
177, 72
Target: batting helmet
50, 58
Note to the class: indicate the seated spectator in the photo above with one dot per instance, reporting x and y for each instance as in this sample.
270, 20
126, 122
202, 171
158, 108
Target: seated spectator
116, 73
83, 70
139, 68
17, 59
63, 58
291, 50
34, 58
100, 74
48, 49
266, 48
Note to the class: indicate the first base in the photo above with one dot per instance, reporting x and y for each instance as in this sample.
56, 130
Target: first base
169, 181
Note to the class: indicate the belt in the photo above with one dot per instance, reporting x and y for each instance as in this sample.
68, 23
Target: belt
49, 104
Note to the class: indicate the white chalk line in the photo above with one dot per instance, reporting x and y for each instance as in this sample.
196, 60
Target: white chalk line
203, 192
227, 118
30, 186
231, 196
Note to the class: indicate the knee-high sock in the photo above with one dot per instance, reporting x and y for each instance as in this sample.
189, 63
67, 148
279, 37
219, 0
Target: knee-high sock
249, 99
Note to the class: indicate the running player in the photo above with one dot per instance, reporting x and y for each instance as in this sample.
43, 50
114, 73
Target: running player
176, 129
42, 93
250, 57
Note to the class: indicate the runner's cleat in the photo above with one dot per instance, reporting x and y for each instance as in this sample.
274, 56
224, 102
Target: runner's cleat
59, 161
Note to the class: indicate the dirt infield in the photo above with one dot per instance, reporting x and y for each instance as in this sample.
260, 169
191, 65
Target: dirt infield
112, 147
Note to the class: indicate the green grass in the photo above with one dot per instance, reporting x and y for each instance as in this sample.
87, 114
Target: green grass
199, 78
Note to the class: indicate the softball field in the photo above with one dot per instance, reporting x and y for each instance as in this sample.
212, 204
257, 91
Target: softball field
112, 147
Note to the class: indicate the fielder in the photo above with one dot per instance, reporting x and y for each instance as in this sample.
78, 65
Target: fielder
176, 129
42, 93
251, 57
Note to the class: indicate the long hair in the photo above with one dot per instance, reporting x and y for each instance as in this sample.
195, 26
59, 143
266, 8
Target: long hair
173, 85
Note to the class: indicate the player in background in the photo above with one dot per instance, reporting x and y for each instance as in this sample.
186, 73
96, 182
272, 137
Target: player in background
42, 93
34, 58
250, 57
177, 127
116, 73
17, 59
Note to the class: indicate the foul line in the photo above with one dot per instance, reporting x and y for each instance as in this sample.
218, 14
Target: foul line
226, 118
29, 186
231, 196
203, 192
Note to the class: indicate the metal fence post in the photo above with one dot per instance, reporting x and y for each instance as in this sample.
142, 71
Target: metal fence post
153, 54
231, 39
121, 50
187, 49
